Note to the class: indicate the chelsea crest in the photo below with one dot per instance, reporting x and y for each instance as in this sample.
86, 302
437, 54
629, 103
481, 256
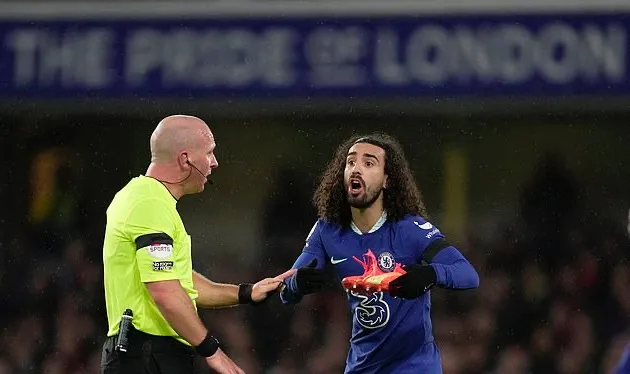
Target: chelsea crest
386, 262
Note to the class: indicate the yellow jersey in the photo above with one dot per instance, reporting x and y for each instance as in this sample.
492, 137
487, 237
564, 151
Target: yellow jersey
145, 241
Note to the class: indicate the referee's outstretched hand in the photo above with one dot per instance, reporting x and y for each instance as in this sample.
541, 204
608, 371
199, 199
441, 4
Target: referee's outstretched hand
222, 364
268, 286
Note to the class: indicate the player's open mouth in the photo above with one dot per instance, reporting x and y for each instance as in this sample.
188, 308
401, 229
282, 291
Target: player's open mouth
355, 187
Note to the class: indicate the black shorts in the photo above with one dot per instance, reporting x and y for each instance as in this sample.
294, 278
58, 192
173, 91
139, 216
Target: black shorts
148, 354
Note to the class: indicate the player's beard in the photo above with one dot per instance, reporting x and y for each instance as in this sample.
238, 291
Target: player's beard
366, 199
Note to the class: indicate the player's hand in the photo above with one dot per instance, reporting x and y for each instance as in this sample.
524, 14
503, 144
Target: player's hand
310, 279
268, 286
416, 282
222, 364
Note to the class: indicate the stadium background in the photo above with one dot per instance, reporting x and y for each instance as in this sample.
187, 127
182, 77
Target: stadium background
522, 162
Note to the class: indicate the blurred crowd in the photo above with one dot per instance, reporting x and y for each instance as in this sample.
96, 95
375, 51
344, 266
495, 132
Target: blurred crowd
553, 297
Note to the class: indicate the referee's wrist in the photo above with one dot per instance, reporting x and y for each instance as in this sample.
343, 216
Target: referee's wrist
245, 293
208, 346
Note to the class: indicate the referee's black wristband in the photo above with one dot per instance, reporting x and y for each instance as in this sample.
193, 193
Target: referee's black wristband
245, 293
208, 347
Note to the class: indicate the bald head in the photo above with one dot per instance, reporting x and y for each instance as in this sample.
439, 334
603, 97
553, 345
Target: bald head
175, 134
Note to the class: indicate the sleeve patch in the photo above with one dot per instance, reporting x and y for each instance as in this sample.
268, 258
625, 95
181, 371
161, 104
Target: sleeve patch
162, 265
160, 251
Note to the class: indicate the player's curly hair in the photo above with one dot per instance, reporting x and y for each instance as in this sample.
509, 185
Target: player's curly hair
401, 197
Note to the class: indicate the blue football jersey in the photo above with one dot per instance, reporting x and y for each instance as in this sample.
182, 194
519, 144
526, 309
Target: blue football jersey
389, 335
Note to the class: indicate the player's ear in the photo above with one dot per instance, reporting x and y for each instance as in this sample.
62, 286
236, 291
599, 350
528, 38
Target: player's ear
385, 184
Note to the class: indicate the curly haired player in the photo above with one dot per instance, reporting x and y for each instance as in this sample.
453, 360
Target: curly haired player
372, 228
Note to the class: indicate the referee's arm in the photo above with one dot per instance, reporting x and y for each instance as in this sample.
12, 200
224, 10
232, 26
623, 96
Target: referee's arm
178, 309
220, 295
213, 294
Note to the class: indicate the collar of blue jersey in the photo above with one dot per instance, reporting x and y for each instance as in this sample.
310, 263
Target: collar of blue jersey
376, 226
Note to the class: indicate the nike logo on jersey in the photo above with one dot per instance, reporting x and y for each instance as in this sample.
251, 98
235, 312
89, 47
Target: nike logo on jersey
335, 262
424, 226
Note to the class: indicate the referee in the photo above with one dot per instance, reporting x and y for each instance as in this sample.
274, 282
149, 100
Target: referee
148, 267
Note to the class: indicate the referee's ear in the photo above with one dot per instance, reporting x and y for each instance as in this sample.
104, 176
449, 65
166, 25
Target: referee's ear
184, 160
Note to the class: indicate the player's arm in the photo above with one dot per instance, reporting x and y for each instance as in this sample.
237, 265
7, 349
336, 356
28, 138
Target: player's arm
438, 263
221, 295
452, 269
310, 275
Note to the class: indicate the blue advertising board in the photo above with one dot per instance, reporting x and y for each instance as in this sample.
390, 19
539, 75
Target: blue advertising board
371, 56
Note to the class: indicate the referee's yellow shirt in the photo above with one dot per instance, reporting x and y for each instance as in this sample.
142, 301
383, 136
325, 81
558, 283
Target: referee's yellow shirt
145, 241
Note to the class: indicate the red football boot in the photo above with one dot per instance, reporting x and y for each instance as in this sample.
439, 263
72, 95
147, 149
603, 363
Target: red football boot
373, 278
355, 282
